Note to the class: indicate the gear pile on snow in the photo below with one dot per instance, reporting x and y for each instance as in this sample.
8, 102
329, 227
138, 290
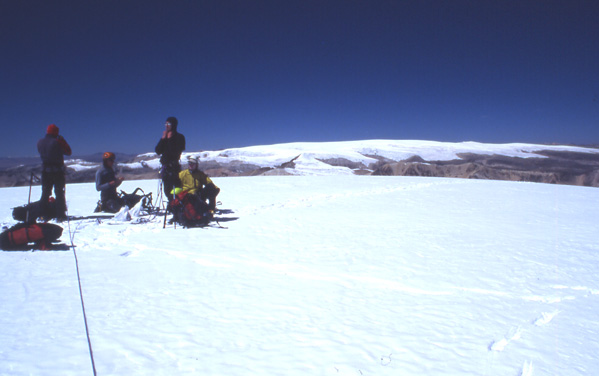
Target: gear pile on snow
129, 200
42, 235
33, 211
21, 234
190, 211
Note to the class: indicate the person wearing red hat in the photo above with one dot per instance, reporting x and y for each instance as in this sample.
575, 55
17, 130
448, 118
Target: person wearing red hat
52, 149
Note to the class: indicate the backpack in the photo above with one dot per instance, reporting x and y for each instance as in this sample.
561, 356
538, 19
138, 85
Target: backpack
18, 236
190, 210
128, 199
31, 212
131, 199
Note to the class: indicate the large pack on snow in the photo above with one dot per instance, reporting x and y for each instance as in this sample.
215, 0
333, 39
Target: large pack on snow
21, 234
190, 210
131, 199
125, 199
31, 212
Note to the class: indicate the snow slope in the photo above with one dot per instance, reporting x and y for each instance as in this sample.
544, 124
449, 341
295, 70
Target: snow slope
320, 275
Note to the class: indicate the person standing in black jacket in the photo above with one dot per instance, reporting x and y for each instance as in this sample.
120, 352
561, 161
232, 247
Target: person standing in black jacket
170, 147
52, 149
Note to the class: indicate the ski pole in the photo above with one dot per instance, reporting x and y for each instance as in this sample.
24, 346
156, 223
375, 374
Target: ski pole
30, 184
165, 210
29, 198
165, 213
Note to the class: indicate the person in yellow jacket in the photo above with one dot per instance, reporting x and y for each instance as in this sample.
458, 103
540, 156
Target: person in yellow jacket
195, 181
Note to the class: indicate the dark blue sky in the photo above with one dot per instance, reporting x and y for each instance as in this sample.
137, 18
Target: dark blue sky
240, 73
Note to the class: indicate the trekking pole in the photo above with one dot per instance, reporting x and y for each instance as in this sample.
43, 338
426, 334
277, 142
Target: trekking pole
158, 202
165, 210
165, 213
29, 198
30, 184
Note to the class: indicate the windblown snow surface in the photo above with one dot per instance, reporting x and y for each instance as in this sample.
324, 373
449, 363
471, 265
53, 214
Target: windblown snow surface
319, 275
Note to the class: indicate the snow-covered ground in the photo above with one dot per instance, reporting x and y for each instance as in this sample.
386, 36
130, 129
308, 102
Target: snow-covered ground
320, 275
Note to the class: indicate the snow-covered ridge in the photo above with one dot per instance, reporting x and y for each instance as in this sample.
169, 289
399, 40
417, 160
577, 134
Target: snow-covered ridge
81, 165
559, 164
308, 156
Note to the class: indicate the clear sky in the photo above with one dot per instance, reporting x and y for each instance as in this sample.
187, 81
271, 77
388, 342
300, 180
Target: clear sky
250, 72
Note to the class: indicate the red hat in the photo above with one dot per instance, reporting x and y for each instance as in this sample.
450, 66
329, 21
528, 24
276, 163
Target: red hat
52, 129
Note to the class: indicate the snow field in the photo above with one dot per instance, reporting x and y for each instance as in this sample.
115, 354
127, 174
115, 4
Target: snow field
330, 275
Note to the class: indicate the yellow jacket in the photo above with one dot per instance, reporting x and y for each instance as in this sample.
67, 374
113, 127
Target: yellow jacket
193, 181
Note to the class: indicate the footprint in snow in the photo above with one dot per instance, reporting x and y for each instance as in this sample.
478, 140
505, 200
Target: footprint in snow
545, 318
515, 333
526, 369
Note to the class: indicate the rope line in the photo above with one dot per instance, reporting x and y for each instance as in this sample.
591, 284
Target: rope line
89, 342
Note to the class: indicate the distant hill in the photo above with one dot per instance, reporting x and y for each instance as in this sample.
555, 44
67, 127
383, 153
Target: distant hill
557, 164
8, 162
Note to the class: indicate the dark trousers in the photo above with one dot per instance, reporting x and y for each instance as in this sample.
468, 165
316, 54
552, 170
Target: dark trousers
54, 180
209, 192
170, 179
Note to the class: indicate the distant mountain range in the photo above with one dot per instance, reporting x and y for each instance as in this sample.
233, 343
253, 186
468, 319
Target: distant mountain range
558, 164
9, 162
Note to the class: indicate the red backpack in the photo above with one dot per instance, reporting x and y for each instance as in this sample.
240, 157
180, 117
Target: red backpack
189, 210
21, 234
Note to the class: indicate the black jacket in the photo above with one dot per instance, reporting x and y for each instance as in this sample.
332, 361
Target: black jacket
170, 149
52, 150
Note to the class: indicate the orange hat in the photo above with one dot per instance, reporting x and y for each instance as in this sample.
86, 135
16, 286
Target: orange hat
109, 155
52, 129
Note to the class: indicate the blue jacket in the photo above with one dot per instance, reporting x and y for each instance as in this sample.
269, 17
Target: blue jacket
103, 178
